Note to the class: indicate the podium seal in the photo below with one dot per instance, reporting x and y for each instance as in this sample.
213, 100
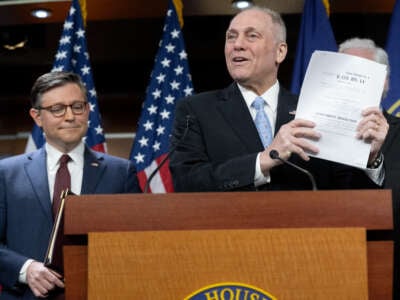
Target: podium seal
230, 291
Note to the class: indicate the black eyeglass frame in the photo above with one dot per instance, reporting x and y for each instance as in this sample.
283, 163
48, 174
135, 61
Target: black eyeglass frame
64, 107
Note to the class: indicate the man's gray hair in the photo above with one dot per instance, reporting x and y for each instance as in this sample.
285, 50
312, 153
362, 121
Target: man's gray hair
380, 55
280, 27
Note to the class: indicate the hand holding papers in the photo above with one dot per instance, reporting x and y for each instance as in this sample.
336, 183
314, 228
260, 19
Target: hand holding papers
336, 89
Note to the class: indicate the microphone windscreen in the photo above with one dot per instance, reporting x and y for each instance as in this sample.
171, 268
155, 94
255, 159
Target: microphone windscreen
274, 154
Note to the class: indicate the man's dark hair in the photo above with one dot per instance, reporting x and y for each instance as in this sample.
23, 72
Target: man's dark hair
52, 80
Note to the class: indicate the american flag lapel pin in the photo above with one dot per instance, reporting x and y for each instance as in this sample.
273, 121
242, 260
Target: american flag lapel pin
95, 164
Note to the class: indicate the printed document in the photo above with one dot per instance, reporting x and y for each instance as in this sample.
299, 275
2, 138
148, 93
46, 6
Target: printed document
336, 88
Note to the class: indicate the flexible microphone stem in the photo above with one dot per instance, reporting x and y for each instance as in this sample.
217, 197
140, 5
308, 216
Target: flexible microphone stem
275, 155
147, 186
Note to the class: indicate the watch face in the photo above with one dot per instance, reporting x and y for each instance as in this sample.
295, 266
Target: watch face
377, 162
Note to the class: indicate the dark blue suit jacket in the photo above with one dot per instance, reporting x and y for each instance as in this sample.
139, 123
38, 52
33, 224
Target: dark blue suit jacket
220, 149
25, 206
391, 152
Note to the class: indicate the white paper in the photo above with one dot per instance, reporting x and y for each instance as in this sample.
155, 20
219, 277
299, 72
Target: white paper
336, 88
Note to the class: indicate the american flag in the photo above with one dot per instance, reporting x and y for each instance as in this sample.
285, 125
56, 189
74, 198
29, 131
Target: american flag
170, 81
72, 56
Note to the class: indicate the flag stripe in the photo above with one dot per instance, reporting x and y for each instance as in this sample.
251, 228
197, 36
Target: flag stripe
165, 175
142, 178
157, 184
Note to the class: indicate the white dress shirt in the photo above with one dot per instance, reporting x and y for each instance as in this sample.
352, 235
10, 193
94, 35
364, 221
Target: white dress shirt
75, 167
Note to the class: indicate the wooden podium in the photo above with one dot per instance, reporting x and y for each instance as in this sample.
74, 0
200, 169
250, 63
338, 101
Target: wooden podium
247, 218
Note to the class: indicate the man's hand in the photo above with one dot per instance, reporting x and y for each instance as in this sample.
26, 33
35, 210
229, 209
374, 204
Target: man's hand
41, 280
290, 139
373, 129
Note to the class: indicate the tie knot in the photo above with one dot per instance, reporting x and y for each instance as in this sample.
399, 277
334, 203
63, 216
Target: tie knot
64, 159
258, 103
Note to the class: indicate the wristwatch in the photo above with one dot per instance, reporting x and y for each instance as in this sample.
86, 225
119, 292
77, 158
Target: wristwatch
376, 162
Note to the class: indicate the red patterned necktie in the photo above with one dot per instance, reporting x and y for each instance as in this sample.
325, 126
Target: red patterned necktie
62, 182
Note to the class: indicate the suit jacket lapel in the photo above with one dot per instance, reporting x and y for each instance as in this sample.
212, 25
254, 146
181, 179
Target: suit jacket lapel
286, 109
34, 170
234, 110
93, 169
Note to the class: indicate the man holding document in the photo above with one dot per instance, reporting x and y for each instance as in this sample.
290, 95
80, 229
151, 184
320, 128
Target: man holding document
229, 141
367, 48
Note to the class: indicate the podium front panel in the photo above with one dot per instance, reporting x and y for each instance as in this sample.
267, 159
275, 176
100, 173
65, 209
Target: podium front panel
171, 265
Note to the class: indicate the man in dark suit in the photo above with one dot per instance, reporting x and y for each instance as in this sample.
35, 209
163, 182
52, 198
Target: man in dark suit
222, 149
60, 107
391, 151
367, 48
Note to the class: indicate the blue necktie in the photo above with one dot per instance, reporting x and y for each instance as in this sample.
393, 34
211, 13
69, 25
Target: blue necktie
262, 122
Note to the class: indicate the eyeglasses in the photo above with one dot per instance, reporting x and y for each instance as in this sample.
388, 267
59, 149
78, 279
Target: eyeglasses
59, 110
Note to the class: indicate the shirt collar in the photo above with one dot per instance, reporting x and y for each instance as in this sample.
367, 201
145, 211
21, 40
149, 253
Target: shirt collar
53, 155
270, 95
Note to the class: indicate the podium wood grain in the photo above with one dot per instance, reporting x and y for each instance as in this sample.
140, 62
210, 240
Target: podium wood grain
289, 264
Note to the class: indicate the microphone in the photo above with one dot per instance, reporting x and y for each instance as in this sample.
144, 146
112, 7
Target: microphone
275, 155
146, 187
